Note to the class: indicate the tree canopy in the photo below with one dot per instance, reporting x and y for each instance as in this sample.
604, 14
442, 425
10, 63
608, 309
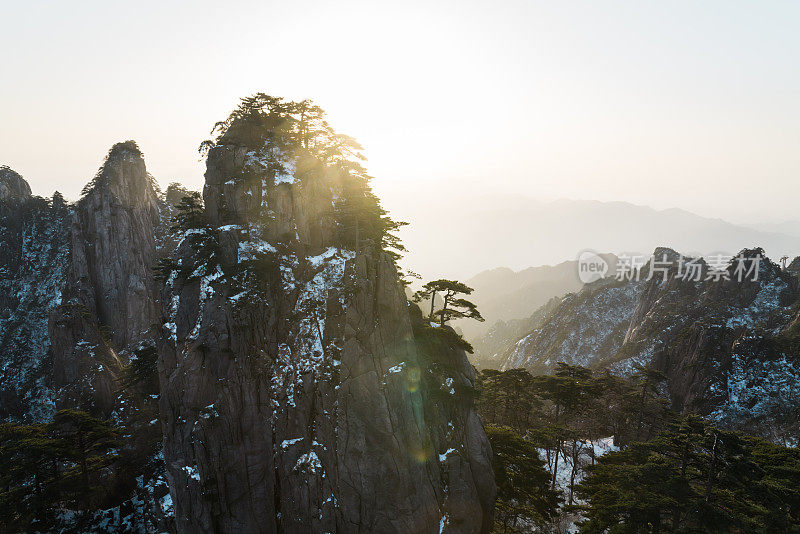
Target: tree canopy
524, 495
46, 467
300, 128
694, 477
453, 307
672, 473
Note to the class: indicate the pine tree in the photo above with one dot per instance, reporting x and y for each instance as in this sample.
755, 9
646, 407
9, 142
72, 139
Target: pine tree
48, 467
452, 307
644, 400
301, 130
693, 477
190, 213
27, 473
523, 493
58, 203
89, 445
141, 371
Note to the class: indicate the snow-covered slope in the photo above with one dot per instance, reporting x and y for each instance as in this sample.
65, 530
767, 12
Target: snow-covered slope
729, 348
76, 298
32, 264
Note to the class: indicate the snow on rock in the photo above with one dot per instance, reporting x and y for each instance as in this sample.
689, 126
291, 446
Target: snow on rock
443, 456
308, 462
586, 327
569, 471
717, 341
192, 472
289, 442
32, 271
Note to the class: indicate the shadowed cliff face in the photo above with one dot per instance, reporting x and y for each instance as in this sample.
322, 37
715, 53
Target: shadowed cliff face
77, 299
33, 255
110, 297
113, 249
295, 395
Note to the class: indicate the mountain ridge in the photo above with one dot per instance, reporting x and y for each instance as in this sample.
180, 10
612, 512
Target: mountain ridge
713, 340
548, 233
286, 384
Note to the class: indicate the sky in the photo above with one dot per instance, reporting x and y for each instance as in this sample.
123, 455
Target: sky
682, 104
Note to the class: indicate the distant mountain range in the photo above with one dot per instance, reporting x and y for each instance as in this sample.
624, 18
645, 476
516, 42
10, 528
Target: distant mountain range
790, 228
505, 295
518, 233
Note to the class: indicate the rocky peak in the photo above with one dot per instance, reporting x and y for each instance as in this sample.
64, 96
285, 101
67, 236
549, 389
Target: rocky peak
123, 176
665, 254
296, 395
33, 255
298, 389
271, 179
110, 296
13, 187
113, 247
794, 266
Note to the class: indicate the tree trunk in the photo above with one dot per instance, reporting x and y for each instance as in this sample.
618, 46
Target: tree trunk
573, 472
641, 414
84, 470
555, 470
710, 479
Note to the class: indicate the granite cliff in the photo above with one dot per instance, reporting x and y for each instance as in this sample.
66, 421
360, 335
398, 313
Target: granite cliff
254, 346
296, 395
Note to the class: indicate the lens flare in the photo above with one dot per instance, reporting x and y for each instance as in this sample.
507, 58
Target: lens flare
412, 379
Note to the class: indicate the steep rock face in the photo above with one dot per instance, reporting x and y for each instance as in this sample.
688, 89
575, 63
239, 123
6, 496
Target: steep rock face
62, 265
585, 328
728, 348
85, 367
32, 273
294, 397
794, 266
13, 187
110, 297
494, 349
117, 232
113, 247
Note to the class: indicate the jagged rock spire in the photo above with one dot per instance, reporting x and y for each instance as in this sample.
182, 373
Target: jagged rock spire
295, 393
114, 227
110, 299
12, 185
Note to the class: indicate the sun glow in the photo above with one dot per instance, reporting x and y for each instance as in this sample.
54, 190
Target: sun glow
457, 101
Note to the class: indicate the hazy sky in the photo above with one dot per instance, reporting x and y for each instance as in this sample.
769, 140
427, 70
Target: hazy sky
681, 103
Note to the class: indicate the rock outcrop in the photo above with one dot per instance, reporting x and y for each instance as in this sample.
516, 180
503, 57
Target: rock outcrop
728, 347
296, 394
586, 328
110, 299
296, 388
13, 187
113, 246
77, 295
32, 270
